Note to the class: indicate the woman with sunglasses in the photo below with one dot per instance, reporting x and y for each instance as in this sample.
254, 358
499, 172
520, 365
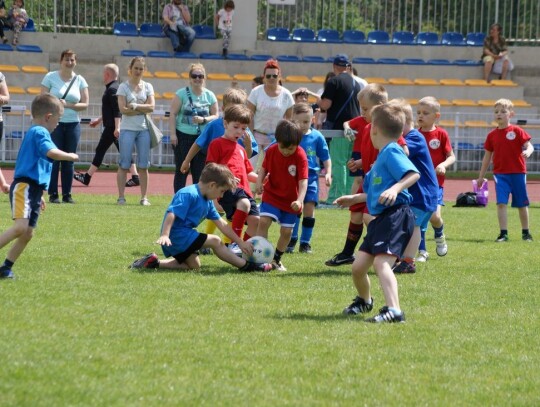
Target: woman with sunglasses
269, 102
192, 107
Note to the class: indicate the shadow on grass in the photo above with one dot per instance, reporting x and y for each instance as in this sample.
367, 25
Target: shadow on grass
318, 318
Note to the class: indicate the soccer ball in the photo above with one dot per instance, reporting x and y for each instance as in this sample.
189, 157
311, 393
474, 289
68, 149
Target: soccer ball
263, 251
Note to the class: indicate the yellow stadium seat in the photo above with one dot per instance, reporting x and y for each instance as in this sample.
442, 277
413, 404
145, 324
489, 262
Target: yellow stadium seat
447, 123
219, 76
33, 90
9, 68
17, 90
464, 102
376, 79
400, 81
521, 103
318, 79
503, 82
297, 78
426, 81
184, 75
445, 102
219, 97
451, 82
166, 75
168, 95
158, 95
476, 82
312, 99
148, 74
412, 102
34, 69
486, 102
244, 77
476, 123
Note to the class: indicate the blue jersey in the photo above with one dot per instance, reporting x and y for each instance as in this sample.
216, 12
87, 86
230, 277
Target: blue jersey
316, 149
425, 191
391, 166
32, 161
216, 129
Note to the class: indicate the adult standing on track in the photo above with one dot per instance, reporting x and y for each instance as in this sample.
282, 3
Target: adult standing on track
72, 90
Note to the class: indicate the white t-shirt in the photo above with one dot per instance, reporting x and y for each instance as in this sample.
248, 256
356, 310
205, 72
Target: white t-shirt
225, 19
269, 110
138, 122
2, 79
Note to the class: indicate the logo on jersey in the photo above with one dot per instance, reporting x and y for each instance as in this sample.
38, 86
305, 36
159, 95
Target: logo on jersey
292, 170
510, 135
434, 144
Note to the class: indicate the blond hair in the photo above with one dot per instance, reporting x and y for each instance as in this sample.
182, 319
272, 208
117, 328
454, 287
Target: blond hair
234, 96
197, 66
301, 108
504, 103
405, 108
374, 93
431, 103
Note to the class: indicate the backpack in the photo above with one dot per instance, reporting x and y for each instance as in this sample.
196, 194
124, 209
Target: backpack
466, 199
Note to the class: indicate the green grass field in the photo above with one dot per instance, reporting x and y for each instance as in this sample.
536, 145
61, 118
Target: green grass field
78, 328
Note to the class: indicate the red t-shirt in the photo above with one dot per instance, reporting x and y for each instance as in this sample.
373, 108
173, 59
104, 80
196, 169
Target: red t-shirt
507, 146
368, 152
283, 175
358, 124
439, 145
230, 153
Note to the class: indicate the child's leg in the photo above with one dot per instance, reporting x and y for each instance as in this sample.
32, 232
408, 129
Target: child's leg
20, 231
308, 222
383, 267
284, 238
294, 235
356, 184
222, 252
524, 217
502, 216
172, 264
412, 246
360, 267
264, 225
354, 233
240, 215
252, 225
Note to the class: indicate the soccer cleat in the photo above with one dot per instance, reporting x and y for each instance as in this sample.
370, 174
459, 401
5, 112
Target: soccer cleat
145, 202
290, 246
339, 260
278, 265
235, 249
133, 182
527, 237
404, 268
53, 198
502, 238
82, 178
305, 248
150, 261
263, 267
7, 273
422, 257
442, 247
206, 251
358, 306
385, 315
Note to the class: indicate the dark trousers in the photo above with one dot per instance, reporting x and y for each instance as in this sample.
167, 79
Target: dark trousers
105, 142
185, 141
66, 137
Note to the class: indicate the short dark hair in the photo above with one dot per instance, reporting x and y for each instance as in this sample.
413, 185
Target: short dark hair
288, 133
237, 113
67, 52
389, 119
229, 4
218, 173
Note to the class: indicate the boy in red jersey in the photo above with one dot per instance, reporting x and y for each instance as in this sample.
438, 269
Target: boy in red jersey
285, 175
509, 146
238, 204
442, 155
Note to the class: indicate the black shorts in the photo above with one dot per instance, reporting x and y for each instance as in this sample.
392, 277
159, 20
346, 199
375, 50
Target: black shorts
196, 245
230, 198
389, 232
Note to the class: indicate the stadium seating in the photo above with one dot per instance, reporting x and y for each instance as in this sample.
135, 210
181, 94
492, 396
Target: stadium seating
303, 35
288, 58
9, 68
151, 30
318, 79
132, 53
244, 77
238, 57
403, 37
278, 34
327, 35
125, 29
210, 55
464, 102
400, 81
159, 54
33, 90
16, 90
218, 76
503, 82
363, 60
413, 61
427, 38
426, 82
486, 102
204, 32
451, 82
475, 39
376, 79
354, 37
378, 37
452, 38
6, 47
260, 57
29, 48
297, 78
186, 55
34, 69
467, 62
313, 58
30, 26
438, 61
476, 82
166, 75
392, 61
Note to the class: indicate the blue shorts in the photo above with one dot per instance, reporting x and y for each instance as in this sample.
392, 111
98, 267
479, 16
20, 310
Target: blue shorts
127, 140
312, 193
230, 198
515, 184
285, 219
440, 196
25, 197
389, 232
421, 218
358, 173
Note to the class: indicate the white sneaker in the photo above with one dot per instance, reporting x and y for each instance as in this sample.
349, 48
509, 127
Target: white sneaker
278, 265
422, 257
234, 248
442, 247
145, 202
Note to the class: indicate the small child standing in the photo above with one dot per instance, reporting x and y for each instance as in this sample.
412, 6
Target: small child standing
509, 146
316, 150
285, 175
32, 175
389, 232
179, 238
442, 155
223, 20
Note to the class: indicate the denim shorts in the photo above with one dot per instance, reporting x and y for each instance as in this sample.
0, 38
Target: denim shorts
141, 140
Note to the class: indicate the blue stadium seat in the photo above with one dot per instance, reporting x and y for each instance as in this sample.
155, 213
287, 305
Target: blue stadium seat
313, 58
288, 58
363, 60
439, 62
186, 55
466, 146
151, 30
204, 32
427, 38
467, 62
403, 37
378, 37
260, 57
392, 61
354, 37
453, 38
30, 26
475, 39
238, 57
210, 55
278, 34
414, 61
327, 35
125, 29
29, 48
132, 53
159, 54
303, 35
6, 47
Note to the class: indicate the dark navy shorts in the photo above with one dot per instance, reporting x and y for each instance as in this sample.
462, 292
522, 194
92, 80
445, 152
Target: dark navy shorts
25, 196
230, 198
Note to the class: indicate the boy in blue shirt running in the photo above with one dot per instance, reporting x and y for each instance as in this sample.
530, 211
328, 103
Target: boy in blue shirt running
387, 198
32, 175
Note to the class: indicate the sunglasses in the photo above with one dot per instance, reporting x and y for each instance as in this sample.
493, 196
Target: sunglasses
268, 76
195, 76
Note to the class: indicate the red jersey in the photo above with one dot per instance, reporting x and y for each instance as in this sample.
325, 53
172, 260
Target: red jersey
284, 173
230, 153
368, 152
507, 146
440, 147
358, 124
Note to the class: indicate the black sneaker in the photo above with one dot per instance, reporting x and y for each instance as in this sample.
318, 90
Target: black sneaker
358, 306
305, 248
82, 178
53, 198
527, 237
404, 268
339, 260
385, 315
249, 266
7, 273
291, 246
67, 199
150, 261
502, 238
133, 182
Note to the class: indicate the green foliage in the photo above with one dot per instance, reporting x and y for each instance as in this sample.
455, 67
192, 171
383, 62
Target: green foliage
78, 328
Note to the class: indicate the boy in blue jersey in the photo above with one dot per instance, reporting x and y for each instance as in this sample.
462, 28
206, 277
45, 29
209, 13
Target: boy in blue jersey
180, 241
32, 175
388, 200
424, 193
316, 149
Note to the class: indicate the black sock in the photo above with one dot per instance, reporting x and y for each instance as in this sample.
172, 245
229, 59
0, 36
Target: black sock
277, 256
354, 233
8, 264
524, 231
504, 232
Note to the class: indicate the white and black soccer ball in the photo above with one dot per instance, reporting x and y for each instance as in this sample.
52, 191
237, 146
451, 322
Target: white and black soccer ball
263, 251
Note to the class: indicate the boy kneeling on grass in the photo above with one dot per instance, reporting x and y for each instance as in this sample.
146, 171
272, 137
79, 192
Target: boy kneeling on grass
180, 241
387, 198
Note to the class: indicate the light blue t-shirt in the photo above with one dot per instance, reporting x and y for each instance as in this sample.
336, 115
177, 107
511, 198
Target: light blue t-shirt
215, 129
57, 87
316, 149
32, 161
391, 165
200, 107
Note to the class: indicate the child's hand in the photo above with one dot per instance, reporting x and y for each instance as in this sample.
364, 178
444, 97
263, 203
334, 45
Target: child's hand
440, 169
354, 165
344, 201
184, 168
388, 197
526, 153
328, 179
259, 188
349, 134
246, 247
246, 139
164, 241
480, 182
296, 206
73, 156
42, 204
5, 187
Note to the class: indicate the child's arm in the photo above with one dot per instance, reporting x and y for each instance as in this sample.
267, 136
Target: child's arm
328, 167
349, 200
260, 179
389, 196
349, 133
216, 19
354, 165
166, 230
302, 189
59, 155
226, 229
485, 164
3, 184
184, 169
450, 159
253, 177
528, 149
246, 139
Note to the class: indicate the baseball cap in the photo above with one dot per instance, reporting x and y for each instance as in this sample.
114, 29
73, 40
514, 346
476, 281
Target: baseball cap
341, 60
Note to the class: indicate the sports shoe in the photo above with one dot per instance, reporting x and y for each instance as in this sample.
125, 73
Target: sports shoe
502, 238
82, 178
404, 268
305, 248
205, 251
7, 274
145, 202
133, 182
422, 257
249, 266
290, 246
339, 260
527, 237
67, 199
442, 247
278, 265
358, 306
121, 201
53, 198
385, 315
235, 249
150, 261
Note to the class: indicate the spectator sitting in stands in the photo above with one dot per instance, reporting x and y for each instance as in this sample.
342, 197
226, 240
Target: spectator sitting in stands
495, 53
176, 20
17, 19
3, 21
